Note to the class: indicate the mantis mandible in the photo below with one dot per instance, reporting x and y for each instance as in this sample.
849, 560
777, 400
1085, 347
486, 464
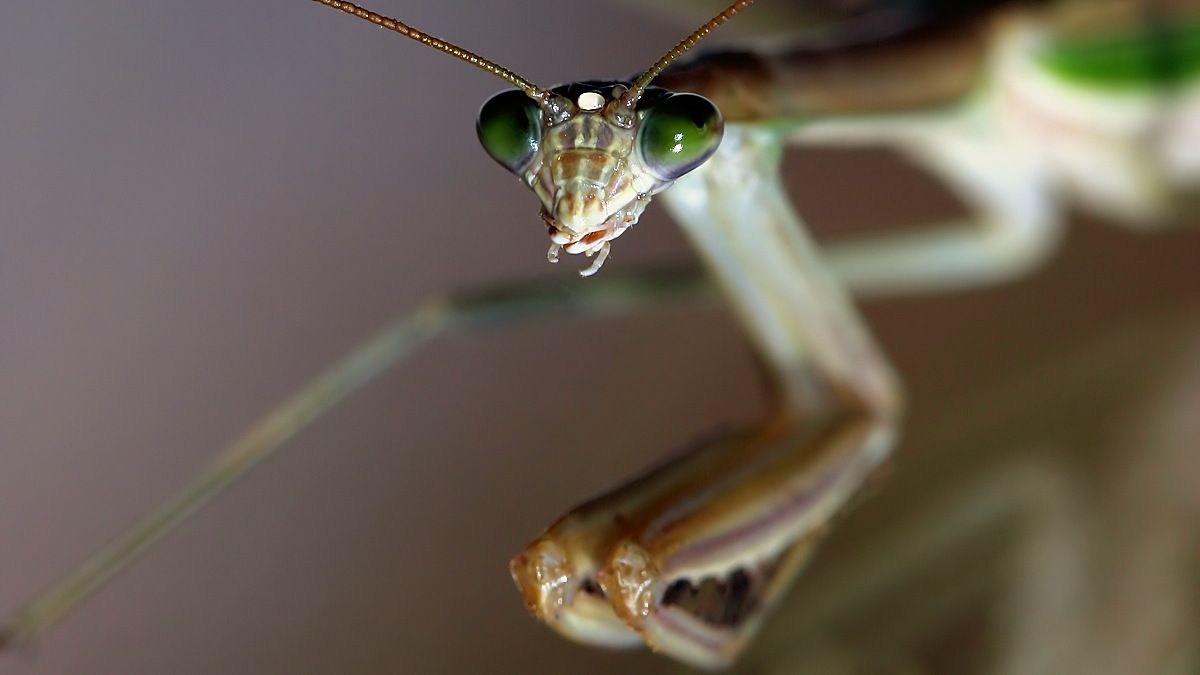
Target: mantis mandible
834, 349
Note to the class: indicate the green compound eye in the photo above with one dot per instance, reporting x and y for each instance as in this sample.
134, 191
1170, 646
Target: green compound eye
678, 133
509, 127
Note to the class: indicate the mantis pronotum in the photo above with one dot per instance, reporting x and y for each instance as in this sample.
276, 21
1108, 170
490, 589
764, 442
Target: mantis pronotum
800, 389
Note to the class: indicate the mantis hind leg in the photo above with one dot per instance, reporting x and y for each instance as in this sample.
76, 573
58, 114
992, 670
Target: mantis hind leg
469, 310
1014, 221
979, 148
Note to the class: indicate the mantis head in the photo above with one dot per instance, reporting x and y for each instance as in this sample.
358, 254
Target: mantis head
593, 152
593, 160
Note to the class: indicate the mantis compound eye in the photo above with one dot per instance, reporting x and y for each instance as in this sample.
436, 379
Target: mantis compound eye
509, 128
678, 133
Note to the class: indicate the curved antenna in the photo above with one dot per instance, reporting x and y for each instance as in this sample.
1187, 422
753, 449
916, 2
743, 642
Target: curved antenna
530, 89
630, 98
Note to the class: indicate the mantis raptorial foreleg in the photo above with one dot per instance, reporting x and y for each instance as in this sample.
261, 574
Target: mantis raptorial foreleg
690, 555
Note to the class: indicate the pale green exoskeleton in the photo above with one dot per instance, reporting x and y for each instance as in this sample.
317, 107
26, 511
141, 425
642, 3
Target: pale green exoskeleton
1019, 111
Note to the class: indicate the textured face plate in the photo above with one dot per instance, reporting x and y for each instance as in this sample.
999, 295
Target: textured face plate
591, 183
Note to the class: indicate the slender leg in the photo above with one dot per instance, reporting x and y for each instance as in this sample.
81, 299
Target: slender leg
488, 307
689, 555
1016, 221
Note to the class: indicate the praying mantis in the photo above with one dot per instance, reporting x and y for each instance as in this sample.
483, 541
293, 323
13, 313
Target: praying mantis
967, 268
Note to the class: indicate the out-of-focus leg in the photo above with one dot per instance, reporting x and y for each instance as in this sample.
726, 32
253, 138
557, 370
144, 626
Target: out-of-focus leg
468, 310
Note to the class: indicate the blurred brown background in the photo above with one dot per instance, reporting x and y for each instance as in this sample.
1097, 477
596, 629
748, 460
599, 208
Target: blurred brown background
202, 204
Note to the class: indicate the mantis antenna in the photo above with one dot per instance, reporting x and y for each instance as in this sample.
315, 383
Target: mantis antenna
532, 90
631, 97
628, 100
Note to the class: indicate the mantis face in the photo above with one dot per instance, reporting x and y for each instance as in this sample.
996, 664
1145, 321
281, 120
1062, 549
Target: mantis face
593, 161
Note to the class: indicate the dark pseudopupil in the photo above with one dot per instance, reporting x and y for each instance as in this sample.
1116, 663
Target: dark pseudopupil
508, 128
679, 133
